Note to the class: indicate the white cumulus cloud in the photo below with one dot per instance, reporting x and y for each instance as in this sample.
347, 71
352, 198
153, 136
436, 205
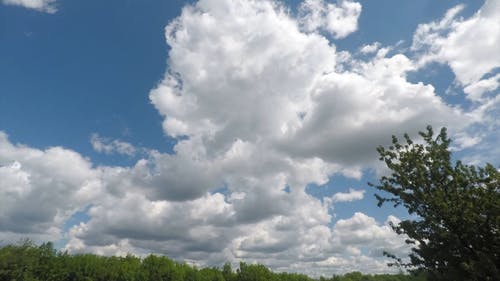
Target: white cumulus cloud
469, 46
40, 189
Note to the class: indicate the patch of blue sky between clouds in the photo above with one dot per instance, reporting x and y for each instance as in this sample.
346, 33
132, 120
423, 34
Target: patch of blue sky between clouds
367, 205
442, 78
76, 218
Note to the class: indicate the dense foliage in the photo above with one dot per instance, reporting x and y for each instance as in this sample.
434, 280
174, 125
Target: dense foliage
455, 208
29, 262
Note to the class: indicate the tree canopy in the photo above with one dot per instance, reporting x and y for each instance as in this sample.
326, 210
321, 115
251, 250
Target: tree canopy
454, 208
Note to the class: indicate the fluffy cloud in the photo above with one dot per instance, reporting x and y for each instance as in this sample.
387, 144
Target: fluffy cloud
362, 231
40, 189
47, 6
469, 46
477, 90
283, 91
338, 19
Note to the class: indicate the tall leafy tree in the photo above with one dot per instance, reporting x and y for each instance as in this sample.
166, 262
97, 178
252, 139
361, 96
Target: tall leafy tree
454, 228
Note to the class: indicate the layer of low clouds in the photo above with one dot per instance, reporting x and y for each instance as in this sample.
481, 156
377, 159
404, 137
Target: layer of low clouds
42, 189
48, 6
262, 106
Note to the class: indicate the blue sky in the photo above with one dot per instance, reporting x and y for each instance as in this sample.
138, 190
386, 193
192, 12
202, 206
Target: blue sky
116, 112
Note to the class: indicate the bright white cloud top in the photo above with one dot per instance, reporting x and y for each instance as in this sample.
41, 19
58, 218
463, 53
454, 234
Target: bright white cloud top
263, 105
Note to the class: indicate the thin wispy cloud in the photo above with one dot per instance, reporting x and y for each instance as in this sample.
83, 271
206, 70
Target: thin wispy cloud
350, 196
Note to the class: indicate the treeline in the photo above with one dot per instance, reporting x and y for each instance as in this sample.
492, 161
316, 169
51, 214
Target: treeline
29, 262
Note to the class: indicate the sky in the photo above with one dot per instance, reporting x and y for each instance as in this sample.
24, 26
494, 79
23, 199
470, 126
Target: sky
232, 130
